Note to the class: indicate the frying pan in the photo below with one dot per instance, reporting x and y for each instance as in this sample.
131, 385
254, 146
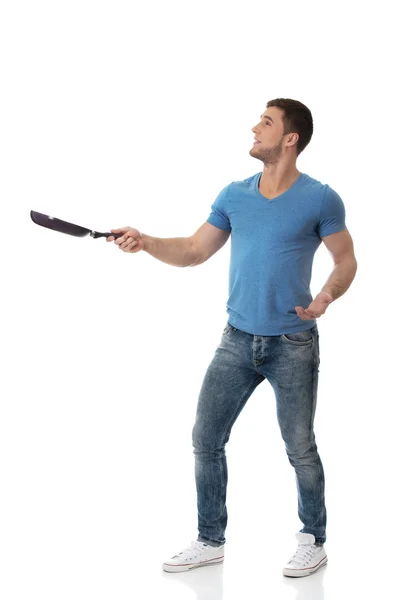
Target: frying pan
69, 228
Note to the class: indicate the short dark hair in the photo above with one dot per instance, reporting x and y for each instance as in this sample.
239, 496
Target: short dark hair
297, 118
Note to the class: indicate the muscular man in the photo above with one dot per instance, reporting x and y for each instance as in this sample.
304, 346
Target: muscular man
276, 219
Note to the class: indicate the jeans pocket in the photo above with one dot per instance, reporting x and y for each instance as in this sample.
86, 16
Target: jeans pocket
300, 338
226, 329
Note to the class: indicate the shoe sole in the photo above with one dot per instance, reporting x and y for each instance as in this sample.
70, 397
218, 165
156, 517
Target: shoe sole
187, 567
305, 572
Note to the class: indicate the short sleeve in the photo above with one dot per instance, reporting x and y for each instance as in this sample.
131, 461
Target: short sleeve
333, 214
219, 211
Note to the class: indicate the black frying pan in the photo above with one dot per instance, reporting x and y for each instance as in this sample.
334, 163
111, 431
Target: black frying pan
70, 228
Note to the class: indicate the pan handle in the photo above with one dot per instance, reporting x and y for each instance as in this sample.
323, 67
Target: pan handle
97, 234
116, 235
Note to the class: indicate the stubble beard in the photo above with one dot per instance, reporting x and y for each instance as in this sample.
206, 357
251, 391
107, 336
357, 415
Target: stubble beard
268, 156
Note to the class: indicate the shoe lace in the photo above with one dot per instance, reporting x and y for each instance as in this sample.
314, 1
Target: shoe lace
192, 551
304, 553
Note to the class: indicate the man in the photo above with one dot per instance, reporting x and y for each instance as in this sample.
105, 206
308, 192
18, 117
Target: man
277, 219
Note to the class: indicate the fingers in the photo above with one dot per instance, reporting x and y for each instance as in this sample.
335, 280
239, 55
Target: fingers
127, 243
120, 230
131, 241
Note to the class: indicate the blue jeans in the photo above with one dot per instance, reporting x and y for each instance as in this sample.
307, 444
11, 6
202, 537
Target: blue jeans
241, 362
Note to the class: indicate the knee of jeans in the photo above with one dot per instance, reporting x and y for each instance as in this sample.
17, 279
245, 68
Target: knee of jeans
205, 439
300, 449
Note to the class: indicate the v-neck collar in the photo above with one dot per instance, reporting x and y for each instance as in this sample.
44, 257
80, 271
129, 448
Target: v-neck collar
259, 194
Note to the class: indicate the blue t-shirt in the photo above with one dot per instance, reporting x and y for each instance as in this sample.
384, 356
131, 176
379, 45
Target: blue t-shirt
273, 243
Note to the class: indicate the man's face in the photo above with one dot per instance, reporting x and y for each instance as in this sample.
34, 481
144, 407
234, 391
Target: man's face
268, 143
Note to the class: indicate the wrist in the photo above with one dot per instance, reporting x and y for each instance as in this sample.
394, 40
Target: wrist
146, 241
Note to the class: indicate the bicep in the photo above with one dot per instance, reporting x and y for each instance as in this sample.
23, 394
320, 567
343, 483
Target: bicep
207, 240
339, 245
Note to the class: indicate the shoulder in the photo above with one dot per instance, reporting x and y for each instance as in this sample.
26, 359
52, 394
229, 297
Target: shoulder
323, 191
243, 185
237, 187
314, 184
245, 182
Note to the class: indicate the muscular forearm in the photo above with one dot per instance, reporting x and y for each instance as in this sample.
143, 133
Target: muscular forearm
341, 277
178, 252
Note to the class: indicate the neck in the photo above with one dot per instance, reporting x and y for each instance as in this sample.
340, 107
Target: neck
278, 177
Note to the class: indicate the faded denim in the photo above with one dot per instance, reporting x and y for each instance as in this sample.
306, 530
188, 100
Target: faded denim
290, 362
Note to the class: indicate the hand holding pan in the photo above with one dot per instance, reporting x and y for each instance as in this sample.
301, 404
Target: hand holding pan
69, 228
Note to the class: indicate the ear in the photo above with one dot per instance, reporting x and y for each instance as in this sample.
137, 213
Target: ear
293, 138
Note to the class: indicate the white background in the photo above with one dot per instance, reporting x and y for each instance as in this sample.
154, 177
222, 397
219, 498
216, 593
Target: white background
123, 113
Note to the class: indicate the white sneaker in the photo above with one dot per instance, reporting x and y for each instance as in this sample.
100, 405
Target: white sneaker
307, 559
198, 554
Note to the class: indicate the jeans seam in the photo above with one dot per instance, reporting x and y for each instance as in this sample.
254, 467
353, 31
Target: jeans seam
235, 413
314, 389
